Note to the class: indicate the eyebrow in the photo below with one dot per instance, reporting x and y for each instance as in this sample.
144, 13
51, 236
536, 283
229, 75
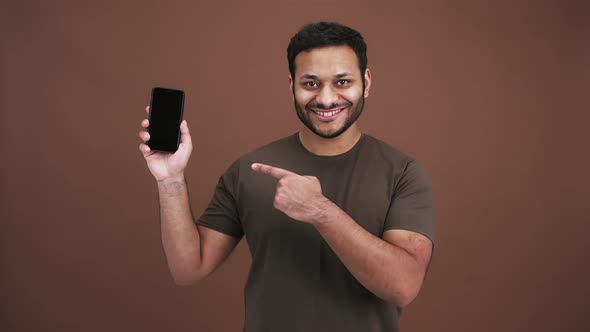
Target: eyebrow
315, 77
309, 76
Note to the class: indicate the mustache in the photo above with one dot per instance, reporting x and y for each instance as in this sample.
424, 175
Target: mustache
319, 106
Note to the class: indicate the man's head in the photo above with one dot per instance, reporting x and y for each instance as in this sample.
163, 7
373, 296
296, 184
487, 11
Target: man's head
328, 76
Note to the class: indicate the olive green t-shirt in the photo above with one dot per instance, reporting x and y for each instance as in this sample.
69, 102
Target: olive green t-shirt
296, 282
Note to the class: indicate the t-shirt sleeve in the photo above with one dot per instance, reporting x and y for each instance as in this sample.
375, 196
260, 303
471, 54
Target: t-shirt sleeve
222, 213
412, 206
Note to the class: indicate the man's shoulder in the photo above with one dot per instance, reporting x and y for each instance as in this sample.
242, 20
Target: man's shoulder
278, 147
406, 168
266, 153
384, 151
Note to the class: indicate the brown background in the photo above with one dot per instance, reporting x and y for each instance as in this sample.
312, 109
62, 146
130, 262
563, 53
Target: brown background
491, 97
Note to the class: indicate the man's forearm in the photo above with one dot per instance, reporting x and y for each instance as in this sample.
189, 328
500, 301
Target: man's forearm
180, 236
386, 270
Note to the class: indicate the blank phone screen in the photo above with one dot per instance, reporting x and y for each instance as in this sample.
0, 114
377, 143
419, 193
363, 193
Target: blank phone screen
166, 110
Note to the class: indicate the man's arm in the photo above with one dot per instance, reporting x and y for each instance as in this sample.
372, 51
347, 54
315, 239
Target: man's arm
192, 252
392, 268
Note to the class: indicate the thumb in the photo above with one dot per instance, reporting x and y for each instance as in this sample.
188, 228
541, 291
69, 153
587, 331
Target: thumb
185, 136
185, 147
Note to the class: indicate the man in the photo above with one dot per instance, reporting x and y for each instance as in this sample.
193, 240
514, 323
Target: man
339, 224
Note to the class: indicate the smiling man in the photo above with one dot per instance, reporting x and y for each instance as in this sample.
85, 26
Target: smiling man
339, 224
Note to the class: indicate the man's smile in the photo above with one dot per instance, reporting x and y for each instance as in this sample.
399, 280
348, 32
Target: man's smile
327, 115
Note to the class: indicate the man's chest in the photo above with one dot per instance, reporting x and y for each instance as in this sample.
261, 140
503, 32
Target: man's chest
364, 193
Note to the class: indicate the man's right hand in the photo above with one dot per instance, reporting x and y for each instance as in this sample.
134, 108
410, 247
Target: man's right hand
164, 165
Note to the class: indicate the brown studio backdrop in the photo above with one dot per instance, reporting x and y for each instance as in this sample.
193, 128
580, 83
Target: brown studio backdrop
489, 96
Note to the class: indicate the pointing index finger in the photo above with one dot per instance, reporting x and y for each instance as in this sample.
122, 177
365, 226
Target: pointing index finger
275, 172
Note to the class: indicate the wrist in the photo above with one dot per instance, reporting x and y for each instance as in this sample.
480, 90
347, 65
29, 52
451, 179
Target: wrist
171, 179
324, 210
172, 187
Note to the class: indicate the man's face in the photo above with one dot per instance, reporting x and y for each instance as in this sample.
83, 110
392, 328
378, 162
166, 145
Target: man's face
328, 89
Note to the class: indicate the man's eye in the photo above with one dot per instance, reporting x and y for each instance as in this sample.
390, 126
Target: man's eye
343, 82
311, 84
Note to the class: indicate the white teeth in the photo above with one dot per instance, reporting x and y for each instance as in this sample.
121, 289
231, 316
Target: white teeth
328, 113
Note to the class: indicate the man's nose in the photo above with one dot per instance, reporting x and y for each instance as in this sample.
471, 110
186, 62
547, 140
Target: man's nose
327, 96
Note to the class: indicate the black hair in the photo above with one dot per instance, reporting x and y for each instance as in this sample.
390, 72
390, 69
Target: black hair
324, 34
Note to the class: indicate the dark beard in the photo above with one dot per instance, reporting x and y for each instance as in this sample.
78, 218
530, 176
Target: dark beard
353, 115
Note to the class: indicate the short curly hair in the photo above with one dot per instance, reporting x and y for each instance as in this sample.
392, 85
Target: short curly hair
322, 34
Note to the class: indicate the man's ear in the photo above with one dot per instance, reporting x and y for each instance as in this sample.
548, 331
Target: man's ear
291, 87
367, 82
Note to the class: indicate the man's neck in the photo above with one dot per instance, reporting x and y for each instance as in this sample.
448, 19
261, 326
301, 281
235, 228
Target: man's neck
329, 146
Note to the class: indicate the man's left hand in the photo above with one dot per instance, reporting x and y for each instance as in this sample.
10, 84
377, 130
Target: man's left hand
299, 197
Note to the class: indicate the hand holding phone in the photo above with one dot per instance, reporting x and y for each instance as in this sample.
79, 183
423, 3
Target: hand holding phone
163, 165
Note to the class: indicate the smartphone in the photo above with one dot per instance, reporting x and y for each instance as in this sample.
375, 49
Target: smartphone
166, 110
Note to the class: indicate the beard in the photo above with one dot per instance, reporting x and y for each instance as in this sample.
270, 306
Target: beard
354, 112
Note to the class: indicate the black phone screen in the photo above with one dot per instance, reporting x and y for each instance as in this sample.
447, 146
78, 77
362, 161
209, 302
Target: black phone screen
165, 116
